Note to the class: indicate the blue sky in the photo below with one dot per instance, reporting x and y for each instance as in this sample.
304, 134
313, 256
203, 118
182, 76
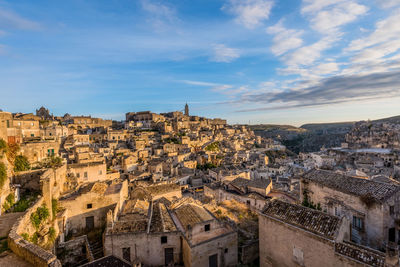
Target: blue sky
257, 61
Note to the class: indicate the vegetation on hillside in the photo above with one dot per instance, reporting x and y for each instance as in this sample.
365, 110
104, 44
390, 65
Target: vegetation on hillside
213, 147
21, 164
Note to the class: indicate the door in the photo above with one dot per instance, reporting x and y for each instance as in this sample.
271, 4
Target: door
169, 256
213, 260
89, 223
392, 235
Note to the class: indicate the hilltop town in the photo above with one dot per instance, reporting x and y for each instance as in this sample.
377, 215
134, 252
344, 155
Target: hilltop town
174, 189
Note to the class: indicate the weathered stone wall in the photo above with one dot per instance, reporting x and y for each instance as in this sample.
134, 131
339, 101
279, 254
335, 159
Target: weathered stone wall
285, 245
146, 248
29, 179
249, 252
26, 250
376, 217
224, 246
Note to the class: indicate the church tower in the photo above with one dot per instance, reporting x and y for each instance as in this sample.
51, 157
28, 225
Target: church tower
186, 110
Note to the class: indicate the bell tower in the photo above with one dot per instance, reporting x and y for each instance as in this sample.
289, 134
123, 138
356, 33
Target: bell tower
186, 110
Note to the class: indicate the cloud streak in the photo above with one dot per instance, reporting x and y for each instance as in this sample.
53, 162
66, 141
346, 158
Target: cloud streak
10, 19
334, 90
225, 54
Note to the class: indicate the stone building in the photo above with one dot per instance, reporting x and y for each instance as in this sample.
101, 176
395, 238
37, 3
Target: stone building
144, 231
206, 241
44, 113
245, 186
87, 207
36, 151
88, 172
292, 235
372, 207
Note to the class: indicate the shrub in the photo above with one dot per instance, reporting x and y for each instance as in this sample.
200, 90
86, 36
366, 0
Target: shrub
39, 216
10, 201
213, 146
3, 146
52, 234
12, 152
25, 236
3, 174
22, 205
21, 164
34, 238
54, 207
51, 162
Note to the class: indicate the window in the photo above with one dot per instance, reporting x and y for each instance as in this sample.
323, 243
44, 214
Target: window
226, 250
126, 254
391, 210
207, 227
89, 206
164, 240
78, 175
85, 175
337, 211
100, 172
358, 223
32, 135
8, 124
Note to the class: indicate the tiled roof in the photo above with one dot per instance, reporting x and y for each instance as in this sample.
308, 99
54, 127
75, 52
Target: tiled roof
161, 221
308, 219
190, 214
162, 189
351, 185
257, 183
108, 261
361, 254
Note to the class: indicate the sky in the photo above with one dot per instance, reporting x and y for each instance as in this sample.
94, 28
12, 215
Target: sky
248, 61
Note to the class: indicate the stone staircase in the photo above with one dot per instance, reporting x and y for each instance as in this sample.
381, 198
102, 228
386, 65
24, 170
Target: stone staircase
96, 247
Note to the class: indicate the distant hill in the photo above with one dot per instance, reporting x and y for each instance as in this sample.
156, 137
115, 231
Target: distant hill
275, 127
394, 119
327, 126
311, 136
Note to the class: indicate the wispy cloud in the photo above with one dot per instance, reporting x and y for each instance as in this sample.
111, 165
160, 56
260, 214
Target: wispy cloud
199, 83
338, 89
10, 19
225, 54
249, 13
388, 3
284, 39
161, 16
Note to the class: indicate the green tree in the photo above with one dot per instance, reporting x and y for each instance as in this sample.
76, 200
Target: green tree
3, 146
21, 163
3, 174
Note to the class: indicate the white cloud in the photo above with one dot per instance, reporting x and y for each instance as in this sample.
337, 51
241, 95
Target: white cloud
386, 29
226, 54
328, 16
307, 55
326, 68
284, 39
250, 13
388, 3
10, 19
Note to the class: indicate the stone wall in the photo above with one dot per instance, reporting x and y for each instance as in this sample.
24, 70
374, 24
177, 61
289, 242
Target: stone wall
26, 250
249, 252
29, 179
